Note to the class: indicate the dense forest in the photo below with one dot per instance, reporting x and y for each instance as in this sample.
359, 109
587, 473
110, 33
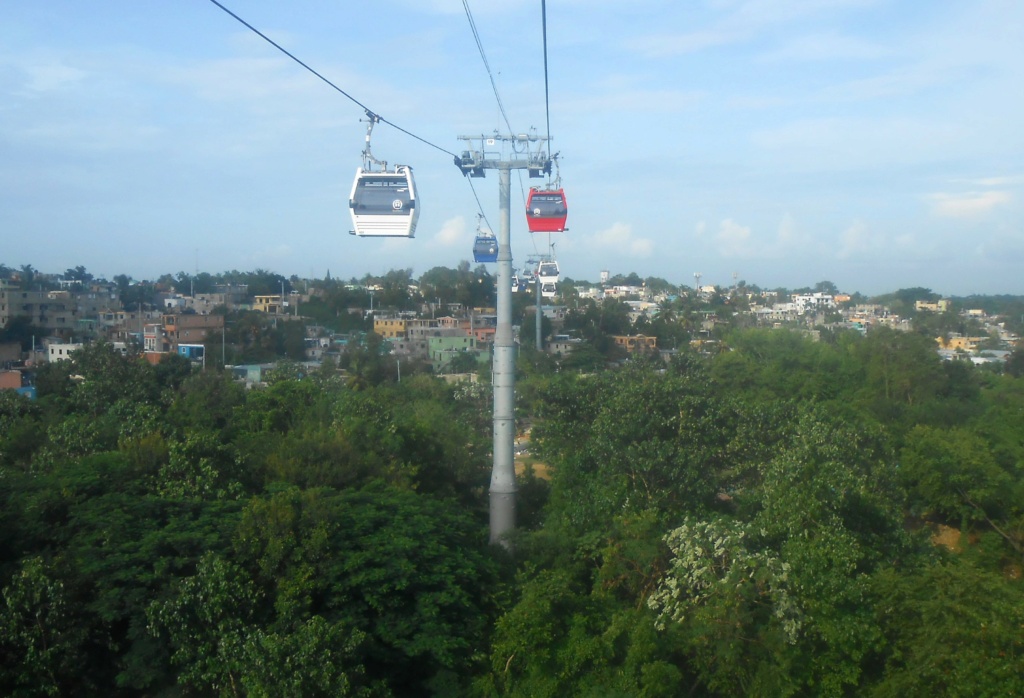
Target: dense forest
784, 517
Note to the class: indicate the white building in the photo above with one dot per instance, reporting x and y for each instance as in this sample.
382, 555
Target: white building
61, 352
813, 302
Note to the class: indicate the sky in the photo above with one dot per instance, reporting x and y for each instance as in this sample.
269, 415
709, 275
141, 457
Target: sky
877, 144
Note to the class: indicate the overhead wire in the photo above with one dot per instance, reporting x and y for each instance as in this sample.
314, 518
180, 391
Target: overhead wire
547, 99
478, 204
365, 108
547, 116
547, 103
497, 97
487, 66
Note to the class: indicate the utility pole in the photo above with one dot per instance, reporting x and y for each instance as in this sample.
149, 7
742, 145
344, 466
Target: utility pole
474, 162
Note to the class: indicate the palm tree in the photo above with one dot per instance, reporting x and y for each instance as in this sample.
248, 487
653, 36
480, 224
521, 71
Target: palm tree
28, 276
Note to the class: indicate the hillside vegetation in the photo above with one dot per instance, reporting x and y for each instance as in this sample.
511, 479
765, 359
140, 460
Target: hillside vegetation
759, 522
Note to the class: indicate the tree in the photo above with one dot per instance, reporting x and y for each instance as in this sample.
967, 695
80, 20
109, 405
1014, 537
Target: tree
205, 400
562, 639
208, 623
134, 295
1015, 363
78, 274
463, 362
28, 277
395, 290
253, 339
724, 588
293, 340
952, 628
200, 467
41, 643
952, 473
109, 376
584, 358
774, 604
201, 282
368, 363
408, 571
597, 322
633, 440
903, 367
903, 301
19, 329
263, 283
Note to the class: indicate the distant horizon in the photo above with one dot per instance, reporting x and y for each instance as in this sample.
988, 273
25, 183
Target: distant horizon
493, 272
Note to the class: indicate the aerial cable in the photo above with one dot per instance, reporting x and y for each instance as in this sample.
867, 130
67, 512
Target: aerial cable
478, 205
369, 112
483, 57
547, 105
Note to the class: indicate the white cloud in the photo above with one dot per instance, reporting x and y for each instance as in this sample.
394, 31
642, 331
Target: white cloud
855, 240
845, 142
612, 96
898, 82
244, 78
787, 230
620, 237
968, 204
734, 239
997, 181
641, 247
741, 22
668, 45
52, 76
452, 234
826, 47
1004, 246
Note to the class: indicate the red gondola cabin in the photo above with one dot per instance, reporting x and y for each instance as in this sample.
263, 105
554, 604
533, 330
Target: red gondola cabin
546, 210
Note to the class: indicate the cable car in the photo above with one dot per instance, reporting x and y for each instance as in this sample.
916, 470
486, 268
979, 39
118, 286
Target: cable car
383, 204
485, 247
546, 210
548, 272
547, 290
524, 280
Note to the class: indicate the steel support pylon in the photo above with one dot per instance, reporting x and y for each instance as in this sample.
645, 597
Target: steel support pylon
474, 162
503, 472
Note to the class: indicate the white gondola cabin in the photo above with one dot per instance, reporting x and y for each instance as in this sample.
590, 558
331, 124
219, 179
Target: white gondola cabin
383, 204
548, 272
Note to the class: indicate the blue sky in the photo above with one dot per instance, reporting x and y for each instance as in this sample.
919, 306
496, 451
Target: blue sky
878, 144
